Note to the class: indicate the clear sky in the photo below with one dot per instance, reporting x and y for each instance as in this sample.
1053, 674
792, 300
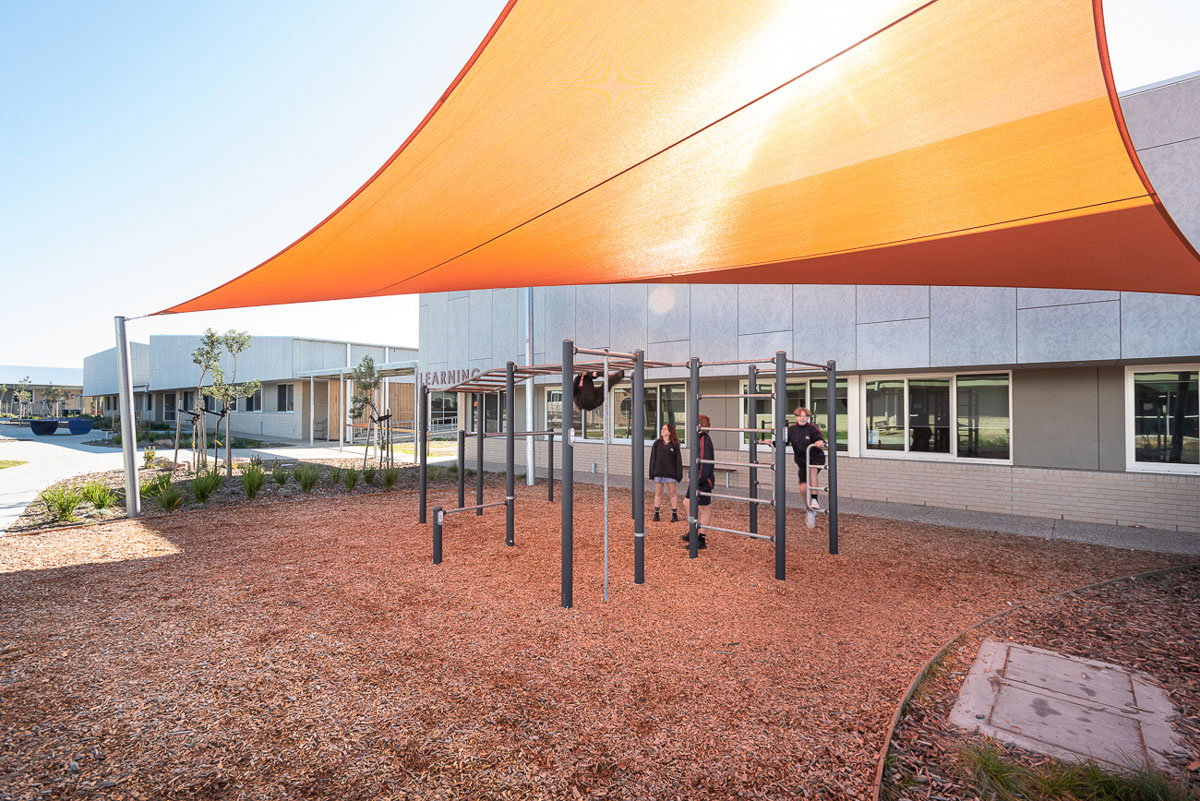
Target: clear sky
152, 150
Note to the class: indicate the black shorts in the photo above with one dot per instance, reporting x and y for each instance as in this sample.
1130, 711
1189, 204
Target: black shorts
704, 500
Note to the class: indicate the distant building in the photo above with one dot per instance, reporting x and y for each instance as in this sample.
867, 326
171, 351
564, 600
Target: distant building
41, 379
305, 390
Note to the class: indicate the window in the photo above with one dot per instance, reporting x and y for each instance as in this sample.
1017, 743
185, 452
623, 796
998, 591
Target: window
254, 402
443, 410
168, 405
284, 398
1163, 418
664, 403
798, 391
149, 402
493, 412
210, 404
188, 400
554, 413
965, 416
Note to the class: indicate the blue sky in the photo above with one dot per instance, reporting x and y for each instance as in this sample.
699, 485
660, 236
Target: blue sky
153, 150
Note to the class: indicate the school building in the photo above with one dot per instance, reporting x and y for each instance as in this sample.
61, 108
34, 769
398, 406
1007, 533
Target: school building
67, 379
306, 390
1080, 405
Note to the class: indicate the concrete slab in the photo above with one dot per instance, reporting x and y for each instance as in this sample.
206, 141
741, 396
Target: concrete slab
1070, 708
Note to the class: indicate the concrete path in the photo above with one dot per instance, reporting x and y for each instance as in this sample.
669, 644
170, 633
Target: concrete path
1067, 707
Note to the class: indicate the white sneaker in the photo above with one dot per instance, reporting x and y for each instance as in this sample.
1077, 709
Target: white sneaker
812, 504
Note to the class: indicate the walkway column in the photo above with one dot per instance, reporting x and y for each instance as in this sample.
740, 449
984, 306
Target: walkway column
128, 428
312, 409
529, 426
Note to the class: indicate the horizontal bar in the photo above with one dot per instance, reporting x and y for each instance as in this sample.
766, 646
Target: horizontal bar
768, 360
740, 395
610, 353
765, 501
473, 508
519, 434
756, 465
748, 430
735, 531
809, 364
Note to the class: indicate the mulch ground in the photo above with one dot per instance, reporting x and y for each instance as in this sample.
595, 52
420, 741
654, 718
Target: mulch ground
1151, 625
311, 649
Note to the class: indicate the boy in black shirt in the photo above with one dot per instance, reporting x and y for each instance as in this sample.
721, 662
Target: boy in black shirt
800, 435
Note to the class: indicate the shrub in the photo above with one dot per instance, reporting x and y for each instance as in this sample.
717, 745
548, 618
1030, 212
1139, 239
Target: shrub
155, 486
369, 475
335, 474
98, 495
390, 474
279, 474
62, 502
148, 457
307, 477
253, 479
350, 479
205, 485
170, 498
256, 461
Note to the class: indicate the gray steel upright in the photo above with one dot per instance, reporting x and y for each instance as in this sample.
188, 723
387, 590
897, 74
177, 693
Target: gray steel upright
530, 455
480, 428
128, 424
637, 458
462, 468
422, 443
568, 474
510, 456
693, 432
780, 465
831, 438
752, 405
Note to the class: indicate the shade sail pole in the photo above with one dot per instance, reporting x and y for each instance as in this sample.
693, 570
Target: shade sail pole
529, 456
128, 429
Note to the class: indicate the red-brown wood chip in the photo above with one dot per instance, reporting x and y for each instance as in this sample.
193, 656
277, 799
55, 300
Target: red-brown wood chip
312, 650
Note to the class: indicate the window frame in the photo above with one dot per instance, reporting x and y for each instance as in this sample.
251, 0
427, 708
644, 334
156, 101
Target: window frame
851, 441
289, 390
1131, 463
952, 457
168, 408
254, 399
608, 410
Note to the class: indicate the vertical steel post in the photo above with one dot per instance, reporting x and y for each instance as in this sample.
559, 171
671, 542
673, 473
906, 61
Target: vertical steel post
568, 476
480, 426
693, 423
752, 405
133, 496
510, 455
437, 535
421, 443
637, 440
462, 468
550, 467
831, 438
530, 454
312, 409
780, 465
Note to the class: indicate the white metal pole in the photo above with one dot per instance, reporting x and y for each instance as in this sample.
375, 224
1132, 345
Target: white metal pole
312, 409
128, 429
529, 426
606, 408
341, 407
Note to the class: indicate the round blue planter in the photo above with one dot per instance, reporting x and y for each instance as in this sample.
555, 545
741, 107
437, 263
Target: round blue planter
79, 426
43, 428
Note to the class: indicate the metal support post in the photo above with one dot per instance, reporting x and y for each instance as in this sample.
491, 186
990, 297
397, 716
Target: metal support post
637, 457
568, 477
420, 443
831, 438
510, 455
437, 535
752, 422
128, 427
781, 465
529, 386
462, 468
312, 409
693, 429
550, 467
480, 423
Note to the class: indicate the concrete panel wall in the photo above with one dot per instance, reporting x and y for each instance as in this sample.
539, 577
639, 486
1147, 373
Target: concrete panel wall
100, 376
1056, 418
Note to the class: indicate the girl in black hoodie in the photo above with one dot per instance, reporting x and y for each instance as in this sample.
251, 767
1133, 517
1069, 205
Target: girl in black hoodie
666, 468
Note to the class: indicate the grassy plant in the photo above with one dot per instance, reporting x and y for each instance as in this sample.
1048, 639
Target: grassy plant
98, 495
440, 472
307, 476
170, 498
204, 485
148, 458
154, 487
253, 479
335, 474
62, 502
369, 475
350, 479
390, 474
256, 461
279, 474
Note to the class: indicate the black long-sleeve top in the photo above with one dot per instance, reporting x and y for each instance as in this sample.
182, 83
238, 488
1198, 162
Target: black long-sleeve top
666, 460
707, 474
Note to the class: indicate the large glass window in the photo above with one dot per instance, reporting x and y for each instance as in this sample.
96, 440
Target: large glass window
554, 413
929, 415
820, 409
983, 419
885, 415
810, 394
285, 398
443, 410
1165, 417
493, 412
169, 407
665, 403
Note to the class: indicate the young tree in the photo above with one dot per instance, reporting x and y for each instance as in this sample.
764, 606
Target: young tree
208, 358
53, 395
3, 392
24, 396
227, 394
366, 383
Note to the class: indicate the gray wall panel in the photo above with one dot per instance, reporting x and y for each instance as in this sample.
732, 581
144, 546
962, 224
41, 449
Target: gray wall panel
539, 327
894, 345
628, 316
1084, 332
560, 320
668, 316
1055, 418
1154, 326
824, 328
1163, 115
972, 325
1174, 171
592, 312
883, 303
1031, 298
433, 328
714, 322
457, 330
764, 307
479, 325
508, 338
1110, 410
760, 346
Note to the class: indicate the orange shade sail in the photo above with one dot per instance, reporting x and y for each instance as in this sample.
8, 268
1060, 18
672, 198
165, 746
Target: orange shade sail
954, 142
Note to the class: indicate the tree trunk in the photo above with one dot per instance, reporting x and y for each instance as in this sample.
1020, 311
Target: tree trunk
228, 446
